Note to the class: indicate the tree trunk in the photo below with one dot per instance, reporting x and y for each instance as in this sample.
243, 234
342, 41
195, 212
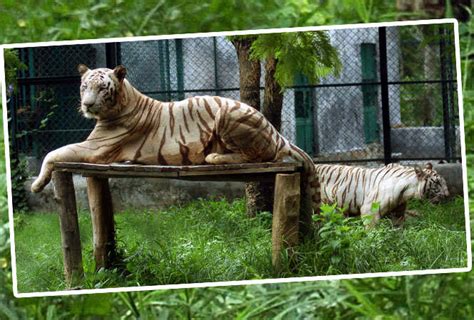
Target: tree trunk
259, 195
273, 99
249, 72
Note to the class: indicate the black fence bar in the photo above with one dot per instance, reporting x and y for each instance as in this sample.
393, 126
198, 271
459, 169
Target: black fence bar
112, 54
387, 143
444, 89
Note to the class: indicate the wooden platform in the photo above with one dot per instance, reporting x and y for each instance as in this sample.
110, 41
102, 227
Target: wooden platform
234, 172
289, 198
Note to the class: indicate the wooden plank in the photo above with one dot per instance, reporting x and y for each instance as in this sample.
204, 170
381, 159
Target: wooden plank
284, 166
242, 166
102, 216
269, 177
69, 225
124, 174
80, 165
140, 168
238, 172
286, 210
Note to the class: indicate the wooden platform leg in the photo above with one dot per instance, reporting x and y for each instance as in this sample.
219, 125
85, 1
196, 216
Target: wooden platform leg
71, 242
286, 210
102, 216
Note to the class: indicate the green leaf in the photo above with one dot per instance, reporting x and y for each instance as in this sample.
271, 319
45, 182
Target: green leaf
307, 53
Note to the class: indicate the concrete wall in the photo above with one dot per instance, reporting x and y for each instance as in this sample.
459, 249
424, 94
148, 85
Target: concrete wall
420, 142
140, 193
452, 173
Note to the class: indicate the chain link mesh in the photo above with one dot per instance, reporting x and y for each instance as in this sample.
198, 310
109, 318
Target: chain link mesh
338, 119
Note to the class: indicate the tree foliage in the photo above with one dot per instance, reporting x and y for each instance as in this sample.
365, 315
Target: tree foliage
309, 53
12, 66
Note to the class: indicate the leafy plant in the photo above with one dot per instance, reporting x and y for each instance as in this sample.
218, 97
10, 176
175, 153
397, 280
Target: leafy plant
309, 53
333, 236
12, 66
19, 176
18, 166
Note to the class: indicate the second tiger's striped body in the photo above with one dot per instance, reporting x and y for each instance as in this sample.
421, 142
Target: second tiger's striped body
200, 130
391, 186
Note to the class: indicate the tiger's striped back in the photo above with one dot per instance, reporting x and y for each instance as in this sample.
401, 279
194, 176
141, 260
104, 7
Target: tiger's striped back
356, 188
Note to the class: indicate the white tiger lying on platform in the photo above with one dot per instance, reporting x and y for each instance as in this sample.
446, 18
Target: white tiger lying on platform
133, 127
356, 188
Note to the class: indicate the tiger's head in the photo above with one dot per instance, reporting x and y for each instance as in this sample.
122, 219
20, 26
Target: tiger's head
100, 90
432, 186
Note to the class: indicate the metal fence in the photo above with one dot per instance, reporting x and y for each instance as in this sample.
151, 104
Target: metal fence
395, 98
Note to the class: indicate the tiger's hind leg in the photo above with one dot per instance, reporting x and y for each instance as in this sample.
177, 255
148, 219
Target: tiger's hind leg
398, 215
226, 158
369, 216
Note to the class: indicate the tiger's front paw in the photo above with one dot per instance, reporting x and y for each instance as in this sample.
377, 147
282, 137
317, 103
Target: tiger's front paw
412, 213
212, 158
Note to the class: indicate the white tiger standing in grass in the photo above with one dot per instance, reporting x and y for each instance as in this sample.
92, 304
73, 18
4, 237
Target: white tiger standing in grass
200, 130
391, 186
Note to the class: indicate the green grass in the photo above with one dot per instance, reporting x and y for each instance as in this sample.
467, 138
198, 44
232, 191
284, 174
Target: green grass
434, 239
203, 241
215, 241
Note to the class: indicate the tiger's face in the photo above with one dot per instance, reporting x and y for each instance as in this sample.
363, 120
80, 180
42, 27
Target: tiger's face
99, 91
433, 187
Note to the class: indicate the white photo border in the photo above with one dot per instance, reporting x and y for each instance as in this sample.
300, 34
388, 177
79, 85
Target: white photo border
239, 282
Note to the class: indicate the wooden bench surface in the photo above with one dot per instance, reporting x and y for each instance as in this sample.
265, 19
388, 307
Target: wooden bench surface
240, 172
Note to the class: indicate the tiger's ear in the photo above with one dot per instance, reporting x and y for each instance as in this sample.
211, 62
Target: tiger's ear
429, 166
82, 68
120, 72
419, 172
